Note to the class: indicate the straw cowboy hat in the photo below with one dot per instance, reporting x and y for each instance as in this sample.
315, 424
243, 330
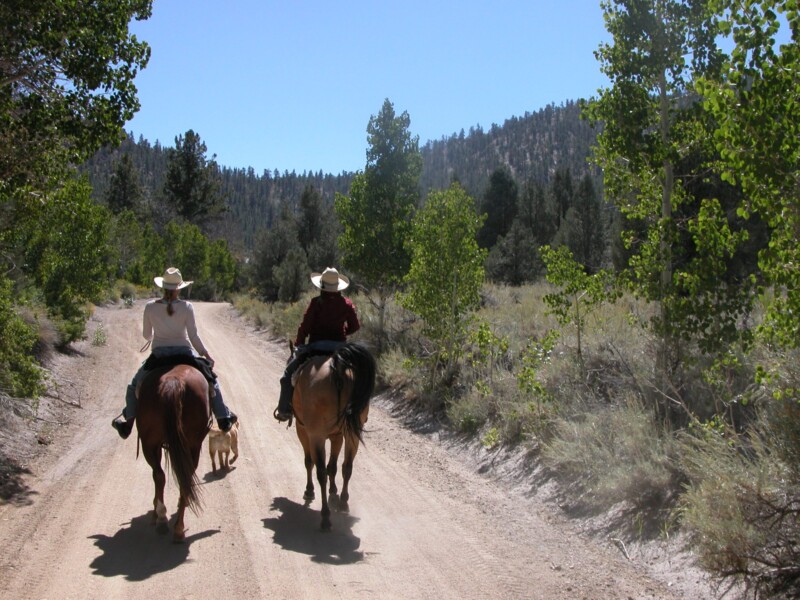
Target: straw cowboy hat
330, 280
171, 280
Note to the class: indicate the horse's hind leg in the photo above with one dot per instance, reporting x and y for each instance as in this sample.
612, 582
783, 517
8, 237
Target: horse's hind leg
179, 532
336, 448
153, 457
302, 435
318, 458
350, 450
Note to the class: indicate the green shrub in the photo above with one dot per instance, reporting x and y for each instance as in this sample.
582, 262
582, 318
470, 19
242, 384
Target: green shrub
127, 292
395, 370
20, 375
99, 338
279, 319
470, 412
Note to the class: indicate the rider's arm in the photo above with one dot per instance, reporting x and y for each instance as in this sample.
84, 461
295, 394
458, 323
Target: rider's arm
191, 331
147, 325
352, 323
307, 325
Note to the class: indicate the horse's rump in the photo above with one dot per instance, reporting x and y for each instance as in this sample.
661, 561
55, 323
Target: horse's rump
173, 412
336, 388
200, 363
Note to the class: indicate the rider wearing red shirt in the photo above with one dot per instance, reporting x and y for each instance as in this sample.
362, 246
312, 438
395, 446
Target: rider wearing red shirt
328, 320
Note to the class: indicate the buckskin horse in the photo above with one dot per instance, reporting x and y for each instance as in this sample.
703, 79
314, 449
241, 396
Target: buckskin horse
173, 413
331, 402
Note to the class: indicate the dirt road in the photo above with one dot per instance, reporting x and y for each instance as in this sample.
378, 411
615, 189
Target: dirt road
421, 523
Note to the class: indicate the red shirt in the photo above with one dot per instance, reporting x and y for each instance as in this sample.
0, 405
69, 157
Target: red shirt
329, 316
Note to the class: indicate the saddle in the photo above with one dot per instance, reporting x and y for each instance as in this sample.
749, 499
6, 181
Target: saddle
306, 354
198, 362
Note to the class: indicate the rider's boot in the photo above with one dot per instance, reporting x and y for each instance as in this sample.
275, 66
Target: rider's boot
122, 424
284, 410
228, 418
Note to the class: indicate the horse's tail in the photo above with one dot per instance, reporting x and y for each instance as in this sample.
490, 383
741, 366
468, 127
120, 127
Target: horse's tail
357, 358
173, 391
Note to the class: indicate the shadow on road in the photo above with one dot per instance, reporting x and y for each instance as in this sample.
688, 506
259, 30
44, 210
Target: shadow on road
13, 489
297, 529
139, 551
221, 473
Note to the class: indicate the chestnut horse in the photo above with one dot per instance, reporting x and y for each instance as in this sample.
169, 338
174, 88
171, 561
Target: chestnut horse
173, 413
331, 402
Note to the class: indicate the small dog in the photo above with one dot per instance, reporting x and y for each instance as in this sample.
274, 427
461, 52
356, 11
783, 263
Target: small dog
222, 444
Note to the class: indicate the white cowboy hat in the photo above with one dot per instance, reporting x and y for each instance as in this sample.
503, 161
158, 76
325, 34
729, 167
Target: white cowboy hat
171, 280
330, 280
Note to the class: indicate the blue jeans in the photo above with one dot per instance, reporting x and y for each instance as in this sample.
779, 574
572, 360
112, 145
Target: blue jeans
217, 404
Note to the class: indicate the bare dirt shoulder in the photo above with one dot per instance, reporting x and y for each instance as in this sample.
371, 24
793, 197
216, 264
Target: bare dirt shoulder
432, 515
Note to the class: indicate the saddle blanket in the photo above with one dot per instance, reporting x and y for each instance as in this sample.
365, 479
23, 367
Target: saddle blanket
198, 362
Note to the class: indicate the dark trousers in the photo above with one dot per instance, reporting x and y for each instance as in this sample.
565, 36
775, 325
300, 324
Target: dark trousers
300, 355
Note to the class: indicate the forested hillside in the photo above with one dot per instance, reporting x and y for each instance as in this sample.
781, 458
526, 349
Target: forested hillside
531, 147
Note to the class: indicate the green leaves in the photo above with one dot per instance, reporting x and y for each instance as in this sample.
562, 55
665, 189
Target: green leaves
658, 155
67, 253
20, 376
66, 81
446, 274
755, 104
579, 293
376, 216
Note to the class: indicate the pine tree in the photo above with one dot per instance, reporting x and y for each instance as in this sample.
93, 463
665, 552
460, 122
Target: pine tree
589, 248
561, 195
317, 230
125, 190
192, 183
272, 248
499, 204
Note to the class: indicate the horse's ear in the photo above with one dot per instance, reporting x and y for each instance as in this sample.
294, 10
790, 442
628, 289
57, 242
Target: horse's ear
291, 347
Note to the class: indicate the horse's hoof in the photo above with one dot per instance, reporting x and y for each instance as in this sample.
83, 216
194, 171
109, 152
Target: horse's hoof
326, 526
309, 496
162, 528
179, 537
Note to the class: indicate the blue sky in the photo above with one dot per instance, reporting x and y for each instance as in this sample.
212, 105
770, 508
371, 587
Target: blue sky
291, 85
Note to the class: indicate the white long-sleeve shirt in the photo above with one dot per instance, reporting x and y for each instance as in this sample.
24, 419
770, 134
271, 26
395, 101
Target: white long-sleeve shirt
179, 329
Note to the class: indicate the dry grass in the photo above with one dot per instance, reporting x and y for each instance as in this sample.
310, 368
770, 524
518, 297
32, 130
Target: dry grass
742, 504
280, 320
614, 454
